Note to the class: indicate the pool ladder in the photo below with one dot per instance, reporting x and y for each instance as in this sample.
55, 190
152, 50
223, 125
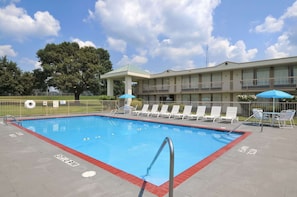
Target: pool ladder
241, 123
6, 117
171, 164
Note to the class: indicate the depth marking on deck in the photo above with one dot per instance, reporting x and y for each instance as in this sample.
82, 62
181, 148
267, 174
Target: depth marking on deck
66, 160
16, 134
247, 150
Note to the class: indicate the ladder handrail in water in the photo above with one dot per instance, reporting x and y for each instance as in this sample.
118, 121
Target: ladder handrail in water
171, 165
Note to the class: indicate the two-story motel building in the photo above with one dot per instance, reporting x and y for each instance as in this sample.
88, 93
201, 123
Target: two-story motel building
216, 84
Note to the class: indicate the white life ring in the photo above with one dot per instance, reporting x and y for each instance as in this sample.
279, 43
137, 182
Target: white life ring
30, 104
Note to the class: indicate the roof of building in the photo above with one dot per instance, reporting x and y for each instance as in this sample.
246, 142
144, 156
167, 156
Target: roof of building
128, 70
136, 72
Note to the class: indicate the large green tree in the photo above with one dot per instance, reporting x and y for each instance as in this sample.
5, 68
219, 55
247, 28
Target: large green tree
10, 78
73, 69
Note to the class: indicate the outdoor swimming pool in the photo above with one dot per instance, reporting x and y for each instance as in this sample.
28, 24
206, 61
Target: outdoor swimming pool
130, 145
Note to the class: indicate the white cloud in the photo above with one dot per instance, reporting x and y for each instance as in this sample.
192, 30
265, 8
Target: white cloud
83, 43
117, 44
286, 43
29, 64
135, 60
7, 50
270, 25
222, 49
189, 64
16, 23
282, 48
291, 11
161, 27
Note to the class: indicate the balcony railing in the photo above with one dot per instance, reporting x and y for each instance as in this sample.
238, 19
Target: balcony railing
248, 84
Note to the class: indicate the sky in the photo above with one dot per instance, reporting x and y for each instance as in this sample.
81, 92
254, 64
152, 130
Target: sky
155, 35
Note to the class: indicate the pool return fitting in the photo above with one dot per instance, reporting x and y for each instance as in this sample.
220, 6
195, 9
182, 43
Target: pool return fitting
171, 163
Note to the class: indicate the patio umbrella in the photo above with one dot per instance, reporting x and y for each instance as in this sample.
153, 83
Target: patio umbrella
126, 96
274, 94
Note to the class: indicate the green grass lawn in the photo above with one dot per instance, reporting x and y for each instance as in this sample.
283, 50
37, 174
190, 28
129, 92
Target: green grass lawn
15, 105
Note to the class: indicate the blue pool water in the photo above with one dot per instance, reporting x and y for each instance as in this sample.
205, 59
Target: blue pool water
131, 145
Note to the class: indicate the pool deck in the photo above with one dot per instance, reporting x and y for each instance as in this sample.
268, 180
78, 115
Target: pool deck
263, 164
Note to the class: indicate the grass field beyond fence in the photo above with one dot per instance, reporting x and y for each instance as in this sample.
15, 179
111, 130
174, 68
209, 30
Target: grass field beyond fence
40, 106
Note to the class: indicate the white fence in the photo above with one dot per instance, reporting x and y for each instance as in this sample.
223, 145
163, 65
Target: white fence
20, 108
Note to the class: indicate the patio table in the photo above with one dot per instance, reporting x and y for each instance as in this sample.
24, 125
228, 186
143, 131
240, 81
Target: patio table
272, 116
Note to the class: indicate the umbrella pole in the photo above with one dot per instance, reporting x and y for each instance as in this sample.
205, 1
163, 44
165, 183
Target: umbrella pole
273, 105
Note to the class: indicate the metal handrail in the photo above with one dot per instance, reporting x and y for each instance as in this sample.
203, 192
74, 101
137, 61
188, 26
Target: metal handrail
171, 163
5, 119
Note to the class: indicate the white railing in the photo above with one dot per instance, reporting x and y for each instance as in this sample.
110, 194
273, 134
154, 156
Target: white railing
17, 108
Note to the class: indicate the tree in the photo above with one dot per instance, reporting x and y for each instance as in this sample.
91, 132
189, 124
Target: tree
27, 81
10, 78
72, 69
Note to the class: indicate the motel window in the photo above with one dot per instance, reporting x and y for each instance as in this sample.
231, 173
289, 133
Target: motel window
216, 97
166, 83
206, 80
194, 81
247, 77
145, 85
206, 97
281, 75
194, 97
216, 80
262, 76
186, 97
152, 85
159, 84
295, 74
185, 82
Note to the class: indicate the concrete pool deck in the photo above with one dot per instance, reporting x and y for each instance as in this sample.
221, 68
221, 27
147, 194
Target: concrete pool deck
263, 164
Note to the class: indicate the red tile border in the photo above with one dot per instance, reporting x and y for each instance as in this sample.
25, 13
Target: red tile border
157, 190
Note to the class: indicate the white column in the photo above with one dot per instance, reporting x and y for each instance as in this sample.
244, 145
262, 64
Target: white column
128, 88
109, 87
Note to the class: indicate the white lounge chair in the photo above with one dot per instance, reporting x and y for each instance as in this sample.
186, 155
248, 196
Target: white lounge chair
164, 109
187, 111
175, 110
231, 115
153, 110
200, 113
284, 117
144, 109
215, 113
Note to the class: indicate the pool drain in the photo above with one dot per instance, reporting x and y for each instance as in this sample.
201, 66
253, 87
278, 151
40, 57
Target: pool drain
88, 174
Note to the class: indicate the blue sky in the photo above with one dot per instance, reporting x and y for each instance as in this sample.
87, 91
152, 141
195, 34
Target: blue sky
155, 35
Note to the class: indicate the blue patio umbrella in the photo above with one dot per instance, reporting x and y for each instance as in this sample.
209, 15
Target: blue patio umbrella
274, 94
127, 96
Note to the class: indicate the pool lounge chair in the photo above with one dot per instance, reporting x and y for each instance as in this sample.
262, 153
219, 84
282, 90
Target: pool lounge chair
187, 111
200, 113
164, 109
215, 113
153, 110
284, 117
175, 110
231, 114
143, 110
